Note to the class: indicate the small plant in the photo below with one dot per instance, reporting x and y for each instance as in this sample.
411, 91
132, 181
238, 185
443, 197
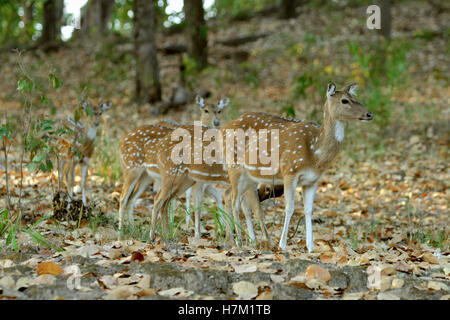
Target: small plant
35, 135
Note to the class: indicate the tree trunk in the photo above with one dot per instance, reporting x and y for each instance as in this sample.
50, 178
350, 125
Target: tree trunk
95, 17
385, 6
29, 17
287, 9
148, 86
197, 32
52, 18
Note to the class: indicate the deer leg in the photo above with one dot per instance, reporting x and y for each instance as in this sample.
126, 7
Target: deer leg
255, 205
198, 197
168, 190
248, 218
156, 185
72, 178
212, 192
60, 173
162, 194
70, 171
144, 182
239, 188
181, 185
84, 170
130, 181
227, 197
308, 201
290, 185
188, 206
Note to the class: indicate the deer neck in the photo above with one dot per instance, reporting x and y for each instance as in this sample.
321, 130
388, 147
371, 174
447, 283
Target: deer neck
91, 132
330, 137
87, 148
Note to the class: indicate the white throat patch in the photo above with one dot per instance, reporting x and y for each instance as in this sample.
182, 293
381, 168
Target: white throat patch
91, 132
339, 131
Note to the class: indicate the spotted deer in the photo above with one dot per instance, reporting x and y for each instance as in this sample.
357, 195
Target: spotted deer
255, 121
80, 150
305, 149
138, 154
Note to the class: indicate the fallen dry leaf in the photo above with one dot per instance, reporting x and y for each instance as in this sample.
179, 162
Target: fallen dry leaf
137, 256
176, 292
144, 283
7, 281
387, 296
353, 296
245, 289
114, 253
265, 294
403, 267
317, 272
48, 267
23, 283
45, 279
435, 285
315, 284
244, 268
121, 292
146, 292
7, 263
430, 258
397, 283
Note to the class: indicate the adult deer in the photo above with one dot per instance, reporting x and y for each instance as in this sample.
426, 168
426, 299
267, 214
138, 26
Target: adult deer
80, 150
306, 150
138, 152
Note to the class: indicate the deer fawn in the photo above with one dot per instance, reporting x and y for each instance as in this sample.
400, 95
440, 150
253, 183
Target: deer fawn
138, 154
306, 150
81, 149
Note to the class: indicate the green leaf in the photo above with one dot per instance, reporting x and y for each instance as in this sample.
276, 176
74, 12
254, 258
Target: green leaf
89, 111
55, 81
44, 99
39, 157
24, 85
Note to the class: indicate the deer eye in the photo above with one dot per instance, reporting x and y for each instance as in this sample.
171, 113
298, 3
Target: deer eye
206, 111
344, 101
219, 111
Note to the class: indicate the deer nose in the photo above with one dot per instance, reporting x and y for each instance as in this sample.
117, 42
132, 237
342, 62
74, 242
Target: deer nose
216, 122
97, 123
369, 115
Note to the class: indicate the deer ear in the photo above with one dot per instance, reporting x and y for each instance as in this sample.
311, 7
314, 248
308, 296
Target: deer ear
223, 103
106, 106
331, 89
200, 101
84, 105
351, 89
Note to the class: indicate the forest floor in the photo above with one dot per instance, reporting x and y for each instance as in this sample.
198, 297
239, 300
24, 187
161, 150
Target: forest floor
380, 216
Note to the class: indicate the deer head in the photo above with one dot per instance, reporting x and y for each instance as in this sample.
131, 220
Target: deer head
343, 105
97, 112
211, 113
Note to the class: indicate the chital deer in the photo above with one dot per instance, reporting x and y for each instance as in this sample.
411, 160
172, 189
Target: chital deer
246, 123
306, 150
138, 157
80, 150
